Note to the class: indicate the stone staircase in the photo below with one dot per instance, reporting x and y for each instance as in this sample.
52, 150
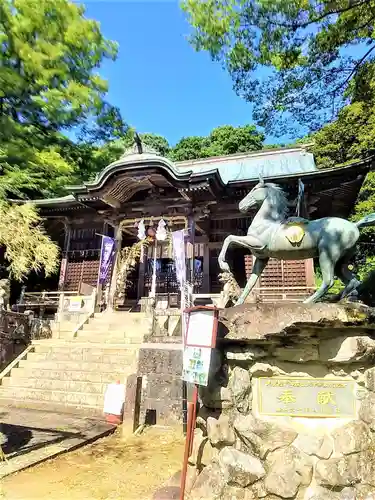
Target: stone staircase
72, 373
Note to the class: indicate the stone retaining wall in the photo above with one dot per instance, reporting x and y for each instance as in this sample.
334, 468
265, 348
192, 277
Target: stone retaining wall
240, 452
160, 369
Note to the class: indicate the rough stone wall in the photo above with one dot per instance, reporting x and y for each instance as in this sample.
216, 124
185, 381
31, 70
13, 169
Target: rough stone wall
161, 383
239, 453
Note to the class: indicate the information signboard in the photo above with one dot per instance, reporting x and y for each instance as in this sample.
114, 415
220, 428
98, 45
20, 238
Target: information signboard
75, 304
200, 339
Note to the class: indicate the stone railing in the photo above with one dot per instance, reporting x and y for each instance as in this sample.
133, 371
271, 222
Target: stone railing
17, 331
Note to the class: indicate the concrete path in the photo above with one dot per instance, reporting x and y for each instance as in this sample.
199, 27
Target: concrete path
31, 436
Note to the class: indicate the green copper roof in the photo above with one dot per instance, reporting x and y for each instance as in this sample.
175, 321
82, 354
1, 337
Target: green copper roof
274, 163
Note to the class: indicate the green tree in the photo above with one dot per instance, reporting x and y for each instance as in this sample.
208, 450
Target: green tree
349, 138
92, 158
190, 148
310, 52
224, 140
26, 245
157, 142
49, 56
32, 164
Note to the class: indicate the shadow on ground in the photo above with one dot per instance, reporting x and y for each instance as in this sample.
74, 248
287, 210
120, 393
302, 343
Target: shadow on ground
18, 439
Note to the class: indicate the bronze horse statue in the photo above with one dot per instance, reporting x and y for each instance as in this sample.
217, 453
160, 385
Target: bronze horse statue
271, 234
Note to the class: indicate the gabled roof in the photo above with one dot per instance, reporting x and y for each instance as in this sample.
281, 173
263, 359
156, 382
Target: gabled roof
248, 166
141, 163
215, 178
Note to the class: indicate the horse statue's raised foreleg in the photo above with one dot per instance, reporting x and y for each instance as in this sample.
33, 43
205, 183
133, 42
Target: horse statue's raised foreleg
258, 268
251, 243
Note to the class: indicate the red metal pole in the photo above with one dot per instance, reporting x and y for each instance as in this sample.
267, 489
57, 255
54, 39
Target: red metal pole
194, 417
191, 418
187, 450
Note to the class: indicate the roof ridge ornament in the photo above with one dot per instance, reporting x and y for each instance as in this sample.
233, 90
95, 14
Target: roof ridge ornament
139, 147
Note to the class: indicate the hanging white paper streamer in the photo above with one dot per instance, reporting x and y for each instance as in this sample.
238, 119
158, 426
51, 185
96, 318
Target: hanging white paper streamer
141, 230
161, 232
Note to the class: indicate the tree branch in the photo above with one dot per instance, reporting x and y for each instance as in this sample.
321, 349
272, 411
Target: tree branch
295, 25
354, 70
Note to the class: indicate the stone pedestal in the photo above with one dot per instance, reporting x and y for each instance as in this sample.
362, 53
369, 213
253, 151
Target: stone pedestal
290, 408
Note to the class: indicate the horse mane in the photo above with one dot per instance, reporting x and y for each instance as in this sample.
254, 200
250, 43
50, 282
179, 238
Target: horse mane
277, 198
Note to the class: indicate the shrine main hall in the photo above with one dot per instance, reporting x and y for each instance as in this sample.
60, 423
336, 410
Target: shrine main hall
201, 196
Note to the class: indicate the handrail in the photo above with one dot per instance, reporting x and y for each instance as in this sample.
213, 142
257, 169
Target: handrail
89, 315
83, 322
44, 298
15, 362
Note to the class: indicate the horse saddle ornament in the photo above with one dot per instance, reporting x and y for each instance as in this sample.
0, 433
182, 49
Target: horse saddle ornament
294, 233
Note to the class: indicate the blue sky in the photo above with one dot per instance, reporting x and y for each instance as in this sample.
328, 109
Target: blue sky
159, 82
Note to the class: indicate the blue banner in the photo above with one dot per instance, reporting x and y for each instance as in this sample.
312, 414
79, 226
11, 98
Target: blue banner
106, 255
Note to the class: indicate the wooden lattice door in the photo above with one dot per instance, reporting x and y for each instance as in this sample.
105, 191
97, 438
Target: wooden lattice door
81, 271
283, 279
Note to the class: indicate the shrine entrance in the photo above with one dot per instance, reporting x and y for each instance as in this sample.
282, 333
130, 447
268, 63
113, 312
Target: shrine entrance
167, 287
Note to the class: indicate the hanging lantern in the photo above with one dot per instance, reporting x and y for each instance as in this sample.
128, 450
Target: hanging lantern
161, 232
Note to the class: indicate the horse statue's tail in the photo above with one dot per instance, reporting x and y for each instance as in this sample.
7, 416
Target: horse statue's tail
367, 221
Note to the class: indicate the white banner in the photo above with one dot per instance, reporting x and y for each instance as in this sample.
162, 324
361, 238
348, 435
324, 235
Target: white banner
178, 242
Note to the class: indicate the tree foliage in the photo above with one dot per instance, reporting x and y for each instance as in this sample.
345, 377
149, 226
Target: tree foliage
90, 159
313, 54
351, 137
27, 246
49, 56
224, 140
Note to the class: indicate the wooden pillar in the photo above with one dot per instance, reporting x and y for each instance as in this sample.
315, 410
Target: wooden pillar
141, 275
118, 242
65, 258
191, 228
206, 268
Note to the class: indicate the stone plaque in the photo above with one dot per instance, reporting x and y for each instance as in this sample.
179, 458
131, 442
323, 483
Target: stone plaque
307, 397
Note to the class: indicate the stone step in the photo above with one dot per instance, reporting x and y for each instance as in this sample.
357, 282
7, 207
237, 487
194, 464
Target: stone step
84, 349
119, 316
100, 339
118, 323
77, 399
114, 332
51, 355
125, 325
106, 377
55, 385
86, 366
95, 412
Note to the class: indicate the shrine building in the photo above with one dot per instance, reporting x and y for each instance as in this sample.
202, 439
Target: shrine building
201, 196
